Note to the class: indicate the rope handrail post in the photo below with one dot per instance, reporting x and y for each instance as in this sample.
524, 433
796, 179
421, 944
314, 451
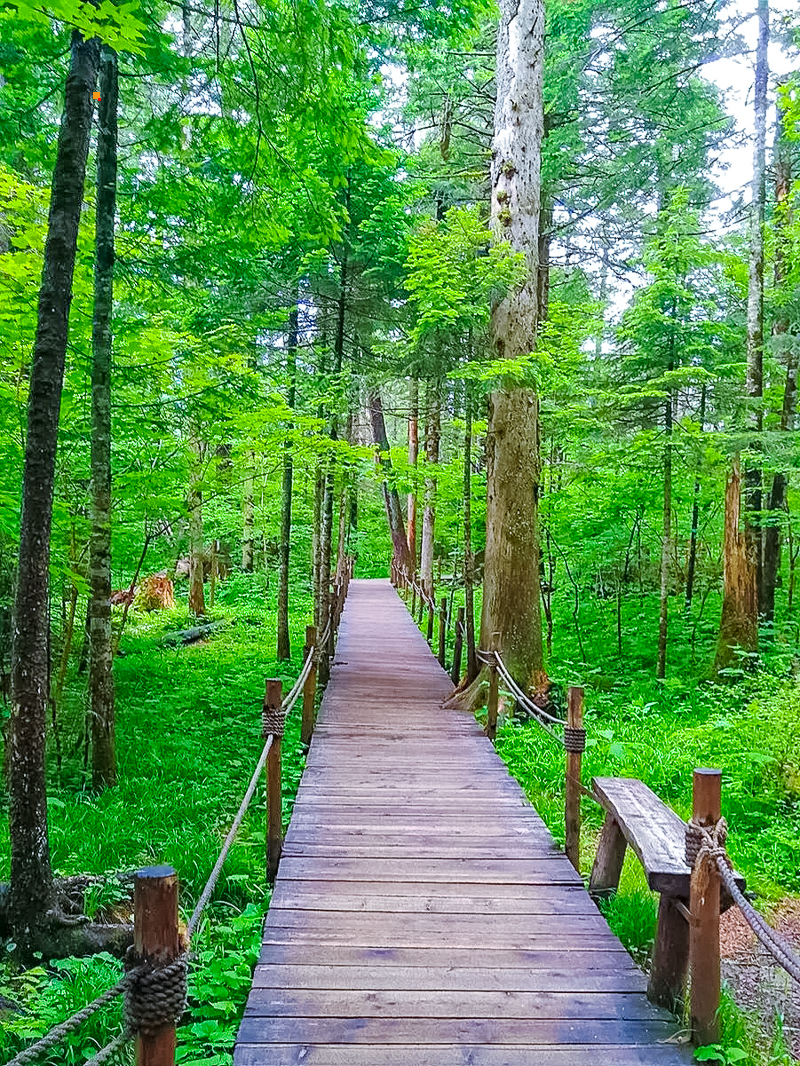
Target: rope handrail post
309, 688
574, 743
156, 938
443, 632
494, 695
273, 725
704, 906
421, 612
330, 650
455, 674
413, 598
431, 613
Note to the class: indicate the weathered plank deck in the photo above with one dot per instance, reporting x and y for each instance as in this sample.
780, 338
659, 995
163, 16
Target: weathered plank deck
422, 915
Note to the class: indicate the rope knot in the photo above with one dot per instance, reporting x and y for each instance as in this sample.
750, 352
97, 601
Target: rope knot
574, 739
706, 841
155, 993
273, 720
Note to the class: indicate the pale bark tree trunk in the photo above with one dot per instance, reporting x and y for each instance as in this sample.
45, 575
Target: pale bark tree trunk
433, 433
755, 297
197, 603
469, 559
316, 545
738, 626
391, 498
778, 497
101, 660
413, 456
692, 562
284, 647
31, 870
511, 592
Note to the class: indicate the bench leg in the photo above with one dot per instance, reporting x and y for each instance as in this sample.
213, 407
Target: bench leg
607, 868
667, 983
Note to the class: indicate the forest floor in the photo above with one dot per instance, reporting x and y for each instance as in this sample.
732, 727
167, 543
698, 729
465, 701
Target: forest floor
188, 738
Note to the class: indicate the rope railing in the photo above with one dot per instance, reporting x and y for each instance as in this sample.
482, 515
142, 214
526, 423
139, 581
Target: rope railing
155, 991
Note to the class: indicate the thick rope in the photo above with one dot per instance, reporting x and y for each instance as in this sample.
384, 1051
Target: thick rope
703, 842
574, 739
156, 996
58, 1032
226, 847
107, 1053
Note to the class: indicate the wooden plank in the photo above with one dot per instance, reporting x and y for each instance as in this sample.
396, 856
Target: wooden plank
415, 1003
453, 979
459, 1055
591, 956
540, 870
542, 904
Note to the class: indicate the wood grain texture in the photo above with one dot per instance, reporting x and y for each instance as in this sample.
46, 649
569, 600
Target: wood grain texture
422, 913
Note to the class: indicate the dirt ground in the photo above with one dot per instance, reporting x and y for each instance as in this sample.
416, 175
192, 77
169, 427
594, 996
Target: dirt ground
758, 983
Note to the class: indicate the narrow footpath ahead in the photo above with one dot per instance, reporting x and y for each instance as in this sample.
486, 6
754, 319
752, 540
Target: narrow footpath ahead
422, 914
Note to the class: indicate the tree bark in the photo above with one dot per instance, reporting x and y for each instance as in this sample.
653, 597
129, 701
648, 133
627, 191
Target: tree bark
391, 497
413, 455
101, 657
31, 872
248, 518
738, 626
511, 598
469, 559
755, 297
284, 647
197, 603
666, 543
433, 433
778, 497
692, 563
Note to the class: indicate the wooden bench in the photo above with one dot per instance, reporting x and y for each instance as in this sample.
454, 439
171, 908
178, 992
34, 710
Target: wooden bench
636, 816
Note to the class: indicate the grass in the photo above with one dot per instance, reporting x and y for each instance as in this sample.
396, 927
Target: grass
188, 738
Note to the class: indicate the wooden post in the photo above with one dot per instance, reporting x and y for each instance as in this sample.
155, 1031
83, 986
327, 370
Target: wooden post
272, 701
667, 982
413, 600
704, 907
455, 675
608, 860
491, 701
572, 803
156, 935
431, 610
443, 632
212, 592
310, 688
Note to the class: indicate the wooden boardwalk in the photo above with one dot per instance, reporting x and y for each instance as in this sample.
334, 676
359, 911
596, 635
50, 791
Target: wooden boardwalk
422, 915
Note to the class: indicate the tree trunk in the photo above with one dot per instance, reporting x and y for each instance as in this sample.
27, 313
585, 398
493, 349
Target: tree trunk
692, 563
666, 542
755, 297
101, 660
316, 546
511, 592
469, 559
433, 433
248, 517
31, 871
780, 483
394, 511
197, 603
284, 647
413, 455
738, 626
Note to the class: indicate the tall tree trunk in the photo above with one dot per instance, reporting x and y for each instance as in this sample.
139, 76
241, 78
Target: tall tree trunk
413, 456
738, 626
755, 297
777, 502
101, 661
433, 433
469, 558
511, 591
666, 542
31, 871
345, 490
391, 498
284, 646
197, 603
248, 517
692, 564
316, 545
